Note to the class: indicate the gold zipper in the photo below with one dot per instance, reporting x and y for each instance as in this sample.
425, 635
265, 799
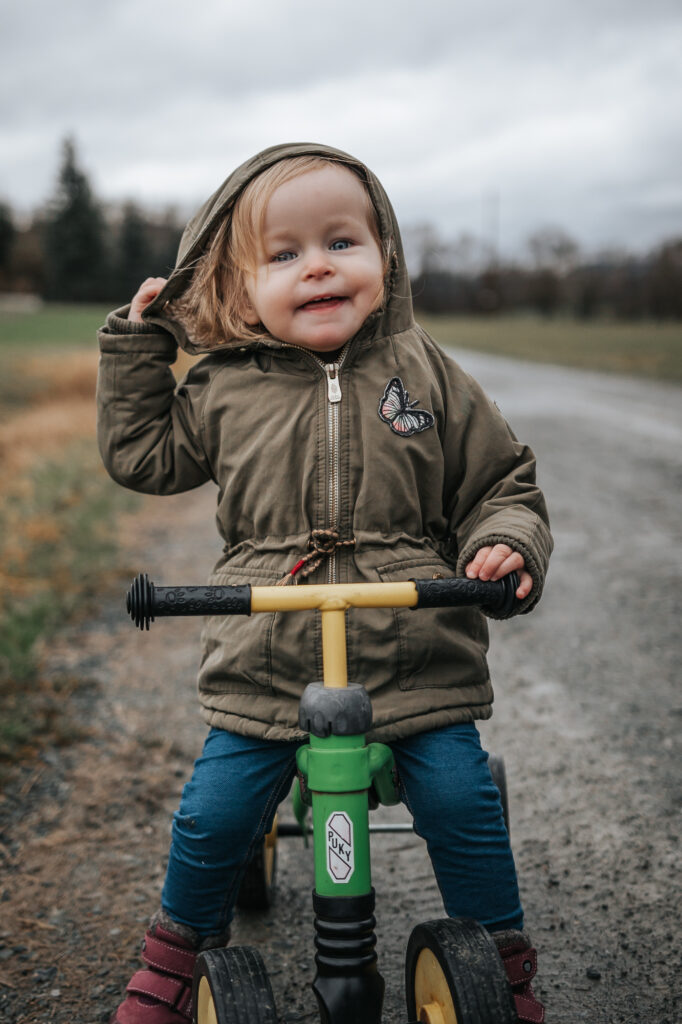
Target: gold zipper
331, 372
333, 399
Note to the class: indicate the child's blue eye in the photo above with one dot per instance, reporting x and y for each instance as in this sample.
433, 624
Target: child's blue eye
339, 244
283, 257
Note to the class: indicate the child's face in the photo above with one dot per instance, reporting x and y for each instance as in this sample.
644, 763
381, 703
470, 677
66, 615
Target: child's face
320, 270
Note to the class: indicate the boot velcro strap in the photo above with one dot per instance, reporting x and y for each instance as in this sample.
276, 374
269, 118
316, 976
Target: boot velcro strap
520, 967
170, 991
528, 1009
166, 957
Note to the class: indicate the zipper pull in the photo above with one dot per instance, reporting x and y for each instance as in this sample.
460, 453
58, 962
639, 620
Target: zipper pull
333, 386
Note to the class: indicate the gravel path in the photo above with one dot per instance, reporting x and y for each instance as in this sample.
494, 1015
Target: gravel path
587, 719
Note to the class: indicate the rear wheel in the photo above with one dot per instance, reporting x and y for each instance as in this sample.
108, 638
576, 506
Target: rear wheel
454, 975
258, 884
231, 986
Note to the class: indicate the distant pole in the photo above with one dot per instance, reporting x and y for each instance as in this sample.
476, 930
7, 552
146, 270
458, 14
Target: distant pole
497, 213
490, 224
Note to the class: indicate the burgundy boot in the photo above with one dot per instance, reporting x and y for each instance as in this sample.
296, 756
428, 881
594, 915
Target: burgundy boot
161, 993
520, 960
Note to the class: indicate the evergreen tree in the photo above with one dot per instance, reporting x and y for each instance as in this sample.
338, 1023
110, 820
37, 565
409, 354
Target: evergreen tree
166, 239
134, 258
7, 233
75, 237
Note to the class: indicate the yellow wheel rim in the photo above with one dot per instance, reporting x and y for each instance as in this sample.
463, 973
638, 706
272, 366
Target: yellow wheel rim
205, 1006
432, 992
269, 852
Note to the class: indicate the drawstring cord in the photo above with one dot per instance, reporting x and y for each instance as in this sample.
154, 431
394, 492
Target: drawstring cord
322, 544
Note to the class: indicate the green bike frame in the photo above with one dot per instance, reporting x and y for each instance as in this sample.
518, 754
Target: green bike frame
339, 771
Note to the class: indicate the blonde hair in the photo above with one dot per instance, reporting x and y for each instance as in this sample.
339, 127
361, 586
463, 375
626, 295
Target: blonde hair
213, 307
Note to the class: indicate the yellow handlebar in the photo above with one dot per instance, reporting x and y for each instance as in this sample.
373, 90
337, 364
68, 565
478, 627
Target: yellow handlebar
333, 597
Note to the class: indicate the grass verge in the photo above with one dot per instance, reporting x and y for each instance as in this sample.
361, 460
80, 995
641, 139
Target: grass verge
57, 549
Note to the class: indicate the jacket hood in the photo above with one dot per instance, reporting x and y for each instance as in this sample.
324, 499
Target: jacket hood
395, 315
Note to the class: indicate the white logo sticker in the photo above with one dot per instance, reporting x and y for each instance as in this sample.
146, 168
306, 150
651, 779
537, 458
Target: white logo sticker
340, 859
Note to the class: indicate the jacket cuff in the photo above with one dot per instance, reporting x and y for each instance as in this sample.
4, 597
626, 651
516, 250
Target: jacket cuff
528, 543
118, 323
122, 335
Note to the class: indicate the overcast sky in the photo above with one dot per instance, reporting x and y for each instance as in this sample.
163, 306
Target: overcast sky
492, 117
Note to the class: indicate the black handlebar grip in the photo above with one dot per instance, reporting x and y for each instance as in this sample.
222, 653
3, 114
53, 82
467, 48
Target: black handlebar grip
494, 596
145, 602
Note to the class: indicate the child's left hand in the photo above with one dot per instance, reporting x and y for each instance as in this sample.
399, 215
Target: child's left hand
494, 563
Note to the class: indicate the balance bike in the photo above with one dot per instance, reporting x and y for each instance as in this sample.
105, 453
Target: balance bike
454, 974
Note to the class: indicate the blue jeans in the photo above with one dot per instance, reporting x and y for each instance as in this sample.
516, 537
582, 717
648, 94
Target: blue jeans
230, 802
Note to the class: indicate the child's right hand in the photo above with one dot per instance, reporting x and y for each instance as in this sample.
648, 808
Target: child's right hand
145, 294
492, 563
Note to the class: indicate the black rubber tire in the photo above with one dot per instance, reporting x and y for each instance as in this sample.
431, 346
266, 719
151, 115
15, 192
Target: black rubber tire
468, 966
499, 774
257, 889
234, 984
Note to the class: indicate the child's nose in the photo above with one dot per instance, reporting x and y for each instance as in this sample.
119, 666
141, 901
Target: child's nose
317, 264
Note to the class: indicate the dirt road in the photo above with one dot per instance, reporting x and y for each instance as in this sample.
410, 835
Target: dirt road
586, 716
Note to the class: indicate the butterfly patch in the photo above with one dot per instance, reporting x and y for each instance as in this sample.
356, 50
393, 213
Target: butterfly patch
396, 409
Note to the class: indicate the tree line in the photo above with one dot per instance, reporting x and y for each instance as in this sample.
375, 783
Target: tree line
554, 279
77, 250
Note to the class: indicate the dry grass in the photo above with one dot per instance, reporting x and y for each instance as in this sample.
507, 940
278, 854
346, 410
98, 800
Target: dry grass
41, 432
58, 515
58, 409
56, 535
54, 407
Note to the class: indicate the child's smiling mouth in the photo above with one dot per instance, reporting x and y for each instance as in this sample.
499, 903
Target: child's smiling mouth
323, 302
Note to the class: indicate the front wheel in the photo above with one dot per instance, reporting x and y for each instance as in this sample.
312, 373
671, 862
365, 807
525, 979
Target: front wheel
454, 975
231, 986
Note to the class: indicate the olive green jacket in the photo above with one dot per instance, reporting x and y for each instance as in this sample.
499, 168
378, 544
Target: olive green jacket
419, 490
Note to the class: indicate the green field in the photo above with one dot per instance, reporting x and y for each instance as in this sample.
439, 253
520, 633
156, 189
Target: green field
53, 326
645, 349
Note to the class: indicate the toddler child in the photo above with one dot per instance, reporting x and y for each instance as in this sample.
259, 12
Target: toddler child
346, 446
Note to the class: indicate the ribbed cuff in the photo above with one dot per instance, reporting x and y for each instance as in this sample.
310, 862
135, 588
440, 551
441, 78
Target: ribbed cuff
120, 335
118, 323
531, 566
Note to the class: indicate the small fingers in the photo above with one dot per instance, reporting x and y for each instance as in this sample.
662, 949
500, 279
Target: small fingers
525, 586
474, 567
150, 288
145, 294
511, 563
493, 563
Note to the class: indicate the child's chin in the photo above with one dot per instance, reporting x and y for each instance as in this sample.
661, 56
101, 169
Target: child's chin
326, 342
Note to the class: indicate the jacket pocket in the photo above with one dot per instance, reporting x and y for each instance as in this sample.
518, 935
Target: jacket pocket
236, 649
436, 647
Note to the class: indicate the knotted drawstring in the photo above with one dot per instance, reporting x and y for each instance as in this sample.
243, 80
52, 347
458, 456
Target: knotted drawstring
322, 544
